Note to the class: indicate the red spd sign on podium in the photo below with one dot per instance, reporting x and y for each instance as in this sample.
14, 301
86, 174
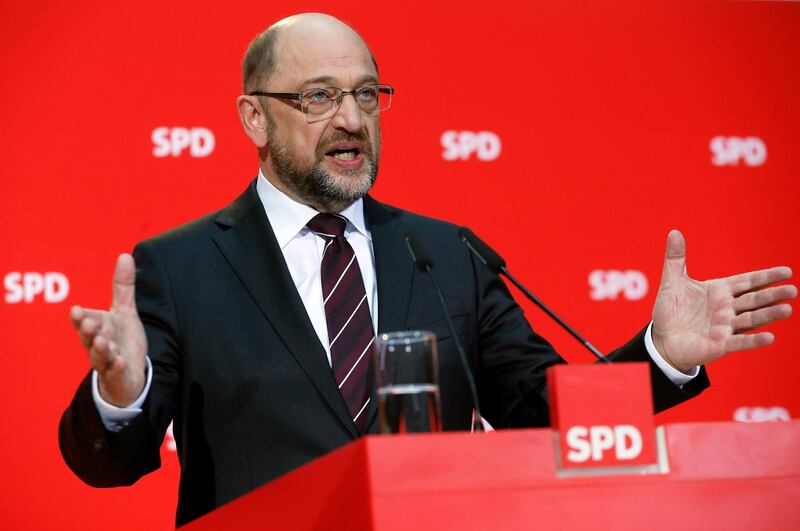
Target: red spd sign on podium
603, 417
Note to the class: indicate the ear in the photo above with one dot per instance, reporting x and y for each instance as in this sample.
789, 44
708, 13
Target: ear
254, 121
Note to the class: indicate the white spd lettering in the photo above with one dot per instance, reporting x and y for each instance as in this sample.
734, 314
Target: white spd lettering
173, 141
461, 145
730, 150
761, 414
593, 442
608, 284
26, 287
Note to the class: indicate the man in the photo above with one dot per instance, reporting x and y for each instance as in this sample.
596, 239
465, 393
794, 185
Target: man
252, 327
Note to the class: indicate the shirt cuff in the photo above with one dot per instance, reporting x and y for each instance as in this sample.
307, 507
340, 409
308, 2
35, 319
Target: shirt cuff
115, 418
677, 377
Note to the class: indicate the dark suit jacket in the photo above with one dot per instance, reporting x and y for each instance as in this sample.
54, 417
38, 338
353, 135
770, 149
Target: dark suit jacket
238, 366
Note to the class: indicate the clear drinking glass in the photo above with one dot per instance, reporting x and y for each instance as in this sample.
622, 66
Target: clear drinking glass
407, 379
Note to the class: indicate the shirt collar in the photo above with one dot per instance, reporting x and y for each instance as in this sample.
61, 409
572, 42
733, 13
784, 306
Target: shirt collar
288, 217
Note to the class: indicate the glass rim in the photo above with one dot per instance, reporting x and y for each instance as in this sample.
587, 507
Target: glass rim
405, 337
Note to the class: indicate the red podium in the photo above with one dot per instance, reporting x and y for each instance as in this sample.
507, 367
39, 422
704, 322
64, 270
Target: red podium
712, 476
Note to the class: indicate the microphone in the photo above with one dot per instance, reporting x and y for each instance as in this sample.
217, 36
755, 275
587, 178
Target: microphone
495, 263
425, 265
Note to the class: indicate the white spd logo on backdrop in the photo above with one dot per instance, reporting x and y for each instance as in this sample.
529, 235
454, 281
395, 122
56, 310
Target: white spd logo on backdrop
26, 287
730, 150
461, 145
173, 141
761, 414
609, 284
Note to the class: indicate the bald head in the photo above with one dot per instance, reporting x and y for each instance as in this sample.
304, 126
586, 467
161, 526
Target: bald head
299, 37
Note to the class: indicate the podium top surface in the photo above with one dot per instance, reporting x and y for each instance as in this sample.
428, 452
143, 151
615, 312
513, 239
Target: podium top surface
725, 474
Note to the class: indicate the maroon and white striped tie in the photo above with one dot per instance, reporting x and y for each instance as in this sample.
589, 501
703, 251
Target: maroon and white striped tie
350, 333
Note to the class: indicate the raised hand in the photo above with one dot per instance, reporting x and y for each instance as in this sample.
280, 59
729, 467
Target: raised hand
115, 339
697, 322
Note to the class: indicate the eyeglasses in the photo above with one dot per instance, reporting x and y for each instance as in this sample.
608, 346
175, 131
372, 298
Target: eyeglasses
322, 103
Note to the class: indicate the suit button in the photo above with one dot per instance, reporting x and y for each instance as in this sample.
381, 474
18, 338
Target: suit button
97, 446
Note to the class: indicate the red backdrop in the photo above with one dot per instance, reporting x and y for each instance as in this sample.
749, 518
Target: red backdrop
571, 136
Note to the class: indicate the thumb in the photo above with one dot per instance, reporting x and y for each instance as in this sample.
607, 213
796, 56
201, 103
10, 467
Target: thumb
124, 295
674, 258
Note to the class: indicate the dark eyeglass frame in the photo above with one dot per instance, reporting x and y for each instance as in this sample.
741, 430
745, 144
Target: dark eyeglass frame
299, 96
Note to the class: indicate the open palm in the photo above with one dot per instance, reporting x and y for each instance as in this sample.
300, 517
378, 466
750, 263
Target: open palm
697, 322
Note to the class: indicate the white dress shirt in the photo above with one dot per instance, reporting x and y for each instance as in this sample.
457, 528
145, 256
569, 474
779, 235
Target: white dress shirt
302, 250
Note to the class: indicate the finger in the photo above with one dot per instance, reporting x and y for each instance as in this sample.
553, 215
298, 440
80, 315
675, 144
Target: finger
124, 296
105, 357
78, 314
674, 258
87, 331
100, 355
765, 297
761, 317
748, 341
754, 280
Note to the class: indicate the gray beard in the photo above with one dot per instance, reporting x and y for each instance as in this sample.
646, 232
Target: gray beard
317, 187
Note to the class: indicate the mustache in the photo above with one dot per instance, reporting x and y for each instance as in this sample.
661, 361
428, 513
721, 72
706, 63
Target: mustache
344, 136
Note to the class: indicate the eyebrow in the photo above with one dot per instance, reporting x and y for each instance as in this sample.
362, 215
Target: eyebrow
330, 80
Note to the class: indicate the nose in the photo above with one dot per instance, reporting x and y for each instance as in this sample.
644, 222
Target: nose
348, 116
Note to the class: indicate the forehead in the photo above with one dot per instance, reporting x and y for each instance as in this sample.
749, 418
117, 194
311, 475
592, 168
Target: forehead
319, 53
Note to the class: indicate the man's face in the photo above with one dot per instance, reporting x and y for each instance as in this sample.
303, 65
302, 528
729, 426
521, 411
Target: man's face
330, 163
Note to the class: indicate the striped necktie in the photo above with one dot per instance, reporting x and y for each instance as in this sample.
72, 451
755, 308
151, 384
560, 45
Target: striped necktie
350, 332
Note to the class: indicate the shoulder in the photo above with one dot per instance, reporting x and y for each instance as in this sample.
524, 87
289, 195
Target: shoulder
439, 239
202, 230
197, 229
378, 213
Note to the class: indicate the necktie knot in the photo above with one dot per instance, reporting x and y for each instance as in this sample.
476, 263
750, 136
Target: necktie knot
327, 225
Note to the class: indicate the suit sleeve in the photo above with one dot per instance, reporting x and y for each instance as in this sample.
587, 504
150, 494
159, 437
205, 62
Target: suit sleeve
102, 458
512, 361
665, 393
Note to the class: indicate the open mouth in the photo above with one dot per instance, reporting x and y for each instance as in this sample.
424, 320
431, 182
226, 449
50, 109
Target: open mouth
346, 155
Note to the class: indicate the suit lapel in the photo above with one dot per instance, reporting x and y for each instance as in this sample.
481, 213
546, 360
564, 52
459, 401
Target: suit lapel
394, 271
250, 246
